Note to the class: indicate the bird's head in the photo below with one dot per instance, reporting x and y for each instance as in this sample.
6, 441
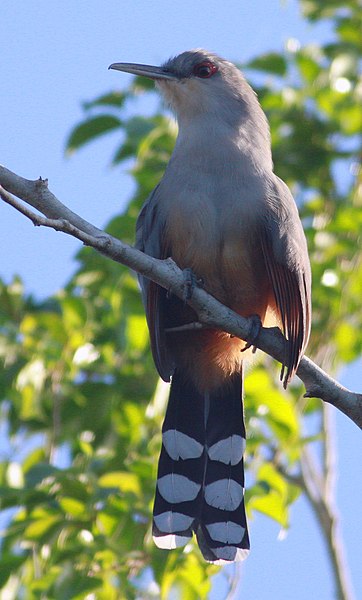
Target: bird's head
197, 83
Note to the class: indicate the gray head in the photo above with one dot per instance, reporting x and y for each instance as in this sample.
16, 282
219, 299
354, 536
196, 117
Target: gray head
198, 83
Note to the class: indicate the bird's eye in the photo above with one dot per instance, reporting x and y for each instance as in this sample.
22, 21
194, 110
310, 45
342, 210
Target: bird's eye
205, 70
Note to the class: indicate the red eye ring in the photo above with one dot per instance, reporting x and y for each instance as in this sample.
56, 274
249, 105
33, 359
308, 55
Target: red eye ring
205, 69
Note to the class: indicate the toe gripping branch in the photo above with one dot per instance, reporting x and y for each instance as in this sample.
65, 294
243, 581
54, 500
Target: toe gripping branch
255, 327
190, 282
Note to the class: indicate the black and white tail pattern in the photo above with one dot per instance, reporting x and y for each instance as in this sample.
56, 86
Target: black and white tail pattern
200, 483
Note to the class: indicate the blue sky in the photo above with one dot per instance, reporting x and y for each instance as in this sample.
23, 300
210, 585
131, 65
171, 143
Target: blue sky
54, 55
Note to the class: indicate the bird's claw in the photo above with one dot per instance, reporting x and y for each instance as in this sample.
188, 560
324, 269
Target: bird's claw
255, 327
190, 282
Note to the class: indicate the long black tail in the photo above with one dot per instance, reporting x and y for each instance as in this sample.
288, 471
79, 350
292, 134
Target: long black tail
200, 482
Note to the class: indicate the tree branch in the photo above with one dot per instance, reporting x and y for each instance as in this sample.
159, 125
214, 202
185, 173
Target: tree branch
210, 312
321, 498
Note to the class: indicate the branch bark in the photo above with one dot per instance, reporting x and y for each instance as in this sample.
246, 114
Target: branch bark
318, 489
210, 312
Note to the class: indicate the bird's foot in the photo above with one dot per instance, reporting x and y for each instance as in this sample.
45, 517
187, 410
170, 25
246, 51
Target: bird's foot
190, 282
255, 327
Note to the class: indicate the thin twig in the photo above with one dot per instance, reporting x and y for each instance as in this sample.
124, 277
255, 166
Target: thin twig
328, 520
330, 458
323, 506
187, 327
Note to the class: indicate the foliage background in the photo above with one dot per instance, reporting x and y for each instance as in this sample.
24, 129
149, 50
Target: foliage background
81, 407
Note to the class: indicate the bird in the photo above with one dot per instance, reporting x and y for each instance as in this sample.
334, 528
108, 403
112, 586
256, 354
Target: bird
222, 215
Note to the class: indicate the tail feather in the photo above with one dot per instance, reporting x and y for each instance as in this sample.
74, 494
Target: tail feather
180, 468
200, 485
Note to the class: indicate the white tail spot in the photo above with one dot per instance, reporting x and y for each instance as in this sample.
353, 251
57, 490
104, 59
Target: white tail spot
179, 445
225, 494
177, 488
226, 531
172, 522
229, 451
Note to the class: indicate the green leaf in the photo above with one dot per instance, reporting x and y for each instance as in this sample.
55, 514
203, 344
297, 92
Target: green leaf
277, 407
74, 312
142, 84
41, 526
272, 506
270, 496
346, 338
271, 63
125, 482
73, 507
136, 129
33, 459
115, 99
308, 66
137, 332
349, 31
91, 129
350, 119
38, 473
268, 474
9, 563
72, 487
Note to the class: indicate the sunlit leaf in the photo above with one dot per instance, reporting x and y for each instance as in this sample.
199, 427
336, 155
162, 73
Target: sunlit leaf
125, 482
137, 332
271, 505
271, 495
41, 526
73, 507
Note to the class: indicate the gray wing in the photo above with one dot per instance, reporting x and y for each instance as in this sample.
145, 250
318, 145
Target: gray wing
150, 239
287, 262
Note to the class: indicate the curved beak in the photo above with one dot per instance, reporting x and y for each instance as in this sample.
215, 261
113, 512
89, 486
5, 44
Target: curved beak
145, 70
